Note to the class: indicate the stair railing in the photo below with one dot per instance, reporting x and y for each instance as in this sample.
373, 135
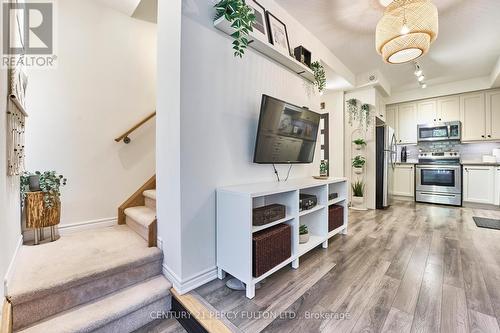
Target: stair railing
125, 136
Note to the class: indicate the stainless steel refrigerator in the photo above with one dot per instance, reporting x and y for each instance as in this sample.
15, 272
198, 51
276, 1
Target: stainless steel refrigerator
386, 156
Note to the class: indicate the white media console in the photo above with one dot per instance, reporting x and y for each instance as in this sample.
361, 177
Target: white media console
235, 229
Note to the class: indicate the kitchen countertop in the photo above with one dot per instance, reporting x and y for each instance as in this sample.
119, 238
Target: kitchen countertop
479, 163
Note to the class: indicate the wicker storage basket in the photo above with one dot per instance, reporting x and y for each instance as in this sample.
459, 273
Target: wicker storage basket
335, 217
270, 248
267, 214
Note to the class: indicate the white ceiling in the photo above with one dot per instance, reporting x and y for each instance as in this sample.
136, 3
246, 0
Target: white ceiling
468, 44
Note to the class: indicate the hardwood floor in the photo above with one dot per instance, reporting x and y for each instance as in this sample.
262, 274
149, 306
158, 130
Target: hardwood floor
410, 268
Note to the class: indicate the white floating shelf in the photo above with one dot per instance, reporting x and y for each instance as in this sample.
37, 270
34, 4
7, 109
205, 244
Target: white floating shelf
270, 51
272, 224
312, 210
313, 242
335, 201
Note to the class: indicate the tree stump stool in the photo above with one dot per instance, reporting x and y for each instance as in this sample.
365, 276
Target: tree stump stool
39, 217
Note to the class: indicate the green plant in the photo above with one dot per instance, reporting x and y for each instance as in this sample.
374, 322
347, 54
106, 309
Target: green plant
50, 185
358, 188
360, 114
360, 142
365, 115
358, 162
352, 109
319, 75
241, 17
303, 230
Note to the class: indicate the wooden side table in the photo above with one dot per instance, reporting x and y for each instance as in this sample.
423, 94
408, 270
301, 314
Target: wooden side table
39, 217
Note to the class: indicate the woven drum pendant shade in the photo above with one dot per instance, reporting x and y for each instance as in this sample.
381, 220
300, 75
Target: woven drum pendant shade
422, 22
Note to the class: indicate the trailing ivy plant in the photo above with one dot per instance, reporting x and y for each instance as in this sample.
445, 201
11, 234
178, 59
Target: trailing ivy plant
241, 17
319, 75
50, 185
362, 114
366, 118
352, 109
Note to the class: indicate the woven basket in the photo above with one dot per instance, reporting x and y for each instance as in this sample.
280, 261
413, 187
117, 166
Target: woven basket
267, 214
270, 248
335, 217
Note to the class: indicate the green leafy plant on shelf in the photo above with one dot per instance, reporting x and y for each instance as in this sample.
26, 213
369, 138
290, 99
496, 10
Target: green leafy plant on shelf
241, 17
360, 142
303, 230
319, 75
358, 161
358, 188
50, 185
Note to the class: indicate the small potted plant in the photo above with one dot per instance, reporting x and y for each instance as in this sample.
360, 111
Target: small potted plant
358, 163
358, 190
360, 143
303, 234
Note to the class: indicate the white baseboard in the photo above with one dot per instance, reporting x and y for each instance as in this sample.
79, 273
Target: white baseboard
192, 282
10, 269
65, 229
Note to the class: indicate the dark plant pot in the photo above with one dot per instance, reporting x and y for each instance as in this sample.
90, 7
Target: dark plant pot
34, 183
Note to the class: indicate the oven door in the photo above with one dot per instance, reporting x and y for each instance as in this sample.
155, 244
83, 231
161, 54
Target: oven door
439, 178
438, 132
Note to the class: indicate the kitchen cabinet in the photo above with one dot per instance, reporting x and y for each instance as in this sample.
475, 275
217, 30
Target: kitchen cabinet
380, 106
407, 123
448, 108
426, 112
404, 180
497, 186
473, 116
493, 115
390, 115
479, 184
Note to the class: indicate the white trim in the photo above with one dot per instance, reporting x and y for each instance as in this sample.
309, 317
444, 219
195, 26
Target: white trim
10, 269
192, 282
64, 229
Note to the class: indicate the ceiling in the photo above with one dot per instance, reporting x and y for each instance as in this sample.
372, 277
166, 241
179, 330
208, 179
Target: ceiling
468, 44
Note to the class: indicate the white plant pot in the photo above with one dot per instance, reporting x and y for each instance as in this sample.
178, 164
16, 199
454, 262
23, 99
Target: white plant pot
304, 238
358, 171
359, 147
357, 201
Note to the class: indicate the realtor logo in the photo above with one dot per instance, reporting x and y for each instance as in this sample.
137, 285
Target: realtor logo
33, 28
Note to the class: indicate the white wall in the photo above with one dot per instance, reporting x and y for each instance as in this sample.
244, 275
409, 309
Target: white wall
104, 83
364, 96
220, 101
10, 227
334, 106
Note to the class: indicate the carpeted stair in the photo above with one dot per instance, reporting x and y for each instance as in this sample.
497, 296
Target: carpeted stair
100, 280
142, 219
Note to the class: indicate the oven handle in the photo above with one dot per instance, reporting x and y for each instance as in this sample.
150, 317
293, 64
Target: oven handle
443, 166
438, 194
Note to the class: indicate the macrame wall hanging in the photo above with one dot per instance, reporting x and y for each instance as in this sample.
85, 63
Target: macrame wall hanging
16, 113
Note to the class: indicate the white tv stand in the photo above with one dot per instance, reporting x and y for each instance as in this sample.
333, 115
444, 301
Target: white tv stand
235, 229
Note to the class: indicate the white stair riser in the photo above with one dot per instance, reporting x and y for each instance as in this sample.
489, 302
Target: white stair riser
137, 227
151, 203
35, 310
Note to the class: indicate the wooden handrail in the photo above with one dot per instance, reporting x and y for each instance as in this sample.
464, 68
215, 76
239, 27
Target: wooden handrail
125, 135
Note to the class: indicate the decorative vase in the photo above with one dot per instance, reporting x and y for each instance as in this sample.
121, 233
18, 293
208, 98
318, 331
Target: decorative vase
358, 171
303, 238
357, 201
34, 183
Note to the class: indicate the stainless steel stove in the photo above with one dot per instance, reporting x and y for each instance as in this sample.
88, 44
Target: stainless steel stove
438, 178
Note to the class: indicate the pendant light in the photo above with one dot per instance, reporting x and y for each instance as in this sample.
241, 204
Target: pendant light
406, 30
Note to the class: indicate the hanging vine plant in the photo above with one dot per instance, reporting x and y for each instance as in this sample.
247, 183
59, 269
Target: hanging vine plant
241, 17
319, 75
362, 114
352, 110
365, 118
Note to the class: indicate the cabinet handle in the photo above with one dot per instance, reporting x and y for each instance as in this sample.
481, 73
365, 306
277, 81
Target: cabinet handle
482, 136
489, 136
440, 119
434, 119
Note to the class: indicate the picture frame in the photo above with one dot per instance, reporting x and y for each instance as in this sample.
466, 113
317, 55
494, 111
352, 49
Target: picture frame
278, 34
260, 26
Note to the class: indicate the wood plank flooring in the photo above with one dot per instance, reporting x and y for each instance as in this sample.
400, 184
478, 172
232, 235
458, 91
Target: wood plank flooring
410, 268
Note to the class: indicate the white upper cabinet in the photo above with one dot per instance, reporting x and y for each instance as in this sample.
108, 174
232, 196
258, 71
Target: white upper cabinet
473, 116
493, 115
390, 115
426, 112
380, 107
407, 123
448, 108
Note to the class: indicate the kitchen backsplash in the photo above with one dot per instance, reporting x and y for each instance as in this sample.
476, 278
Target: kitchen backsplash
468, 151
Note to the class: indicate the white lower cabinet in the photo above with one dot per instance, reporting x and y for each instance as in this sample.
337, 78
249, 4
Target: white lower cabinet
479, 184
497, 187
404, 180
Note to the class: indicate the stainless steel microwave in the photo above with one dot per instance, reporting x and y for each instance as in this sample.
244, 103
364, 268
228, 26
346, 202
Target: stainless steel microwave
440, 131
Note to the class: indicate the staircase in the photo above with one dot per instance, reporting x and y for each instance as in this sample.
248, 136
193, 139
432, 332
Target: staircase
98, 280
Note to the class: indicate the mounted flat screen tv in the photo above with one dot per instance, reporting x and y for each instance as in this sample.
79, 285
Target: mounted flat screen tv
287, 133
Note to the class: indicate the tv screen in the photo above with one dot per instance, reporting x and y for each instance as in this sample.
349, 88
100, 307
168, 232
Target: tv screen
287, 133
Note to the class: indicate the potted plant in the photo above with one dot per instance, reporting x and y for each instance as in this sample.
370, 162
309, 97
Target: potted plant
358, 163
358, 190
303, 234
360, 143
319, 75
49, 182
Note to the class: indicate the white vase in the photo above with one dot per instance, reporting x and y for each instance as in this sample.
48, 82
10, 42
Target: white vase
303, 238
357, 201
358, 171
